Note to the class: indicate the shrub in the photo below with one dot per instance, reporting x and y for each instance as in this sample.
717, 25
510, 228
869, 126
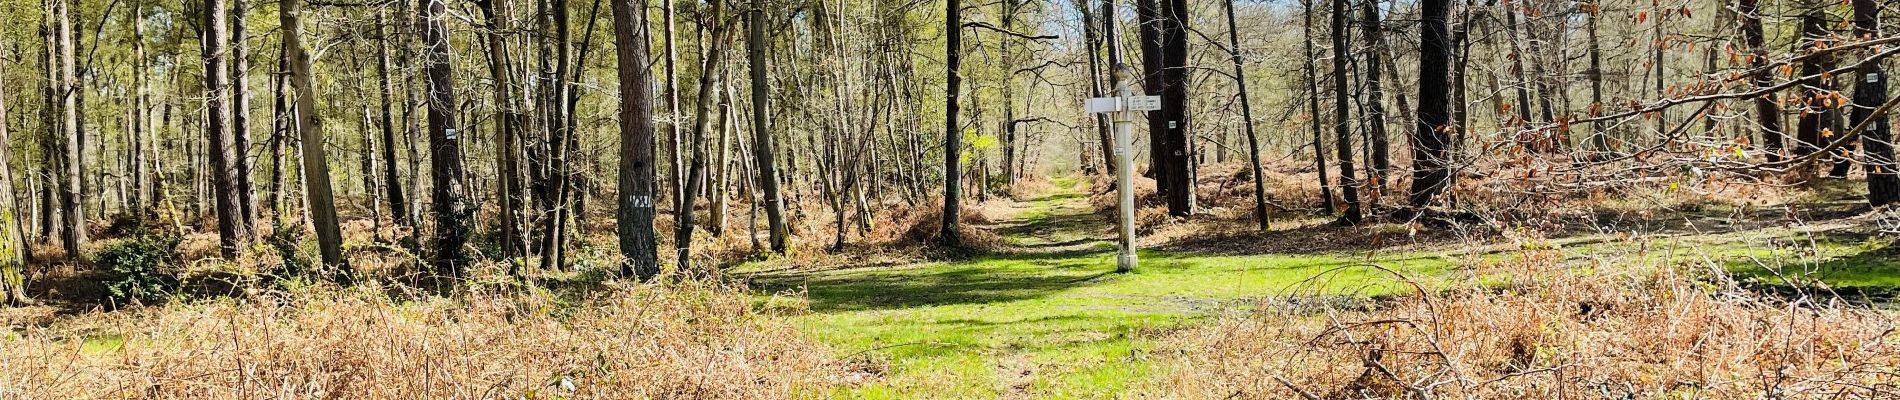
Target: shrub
141, 267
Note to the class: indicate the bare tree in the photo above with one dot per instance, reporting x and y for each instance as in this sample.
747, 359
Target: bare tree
1342, 117
1246, 112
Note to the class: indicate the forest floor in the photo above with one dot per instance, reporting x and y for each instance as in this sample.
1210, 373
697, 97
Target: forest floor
1046, 316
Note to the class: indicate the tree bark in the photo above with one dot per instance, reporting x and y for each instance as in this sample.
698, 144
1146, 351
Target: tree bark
507, 128
451, 207
142, 140
1375, 102
392, 183
1870, 91
241, 113
1767, 108
1178, 153
952, 136
69, 177
636, 142
1816, 114
1342, 125
1246, 117
763, 148
1431, 141
702, 120
13, 245
320, 201
1091, 30
221, 151
1312, 108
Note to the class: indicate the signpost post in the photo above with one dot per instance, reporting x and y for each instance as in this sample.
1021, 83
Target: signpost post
1124, 106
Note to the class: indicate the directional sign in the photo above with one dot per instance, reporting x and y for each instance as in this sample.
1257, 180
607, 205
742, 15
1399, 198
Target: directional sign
1116, 104
1144, 103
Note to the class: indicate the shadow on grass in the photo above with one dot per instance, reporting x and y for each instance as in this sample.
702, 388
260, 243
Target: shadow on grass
1867, 272
992, 278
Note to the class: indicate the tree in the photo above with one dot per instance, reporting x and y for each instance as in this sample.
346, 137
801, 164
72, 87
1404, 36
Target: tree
1883, 185
241, 114
1312, 106
13, 245
392, 182
1342, 117
952, 136
1431, 138
1177, 156
763, 147
63, 97
1816, 112
452, 210
507, 129
320, 202
1767, 108
1246, 112
222, 151
142, 140
636, 142
702, 120
1375, 103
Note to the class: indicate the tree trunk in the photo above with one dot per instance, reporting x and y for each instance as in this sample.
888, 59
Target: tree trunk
392, 182
1342, 125
13, 245
451, 207
70, 176
241, 113
702, 120
762, 142
1312, 108
1599, 139
280, 126
1870, 91
636, 142
1375, 102
1149, 19
1177, 151
675, 169
1091, 31
143, 197
1767, 108
507, 127
221, 151
1246, 119
952, 136
320, 202
1816, 114
1431, 141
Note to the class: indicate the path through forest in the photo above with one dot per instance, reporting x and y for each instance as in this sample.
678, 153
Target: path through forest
1045, 318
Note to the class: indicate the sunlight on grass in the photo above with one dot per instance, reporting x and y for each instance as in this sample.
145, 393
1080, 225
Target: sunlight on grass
1053, 324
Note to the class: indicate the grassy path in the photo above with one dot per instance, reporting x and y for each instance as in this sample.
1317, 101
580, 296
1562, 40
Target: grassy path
1045, 319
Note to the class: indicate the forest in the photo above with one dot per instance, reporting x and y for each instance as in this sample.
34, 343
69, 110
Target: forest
1262, 199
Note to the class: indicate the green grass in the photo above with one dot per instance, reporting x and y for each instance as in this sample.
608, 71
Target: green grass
1050, 320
